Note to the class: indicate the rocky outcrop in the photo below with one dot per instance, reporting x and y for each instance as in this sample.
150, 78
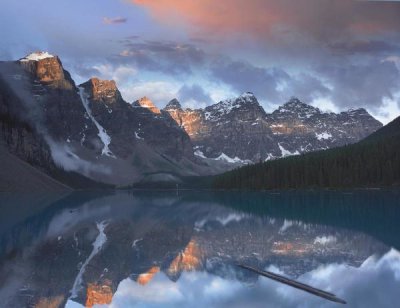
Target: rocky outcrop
130, 125
98, 294
45, 67
145, 102
57, 100
240, 130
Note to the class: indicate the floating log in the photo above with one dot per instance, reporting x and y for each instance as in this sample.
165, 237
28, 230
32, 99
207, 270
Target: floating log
295, 284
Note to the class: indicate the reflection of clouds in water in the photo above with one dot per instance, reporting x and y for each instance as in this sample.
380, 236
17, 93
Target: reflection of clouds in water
69, 218
374, 284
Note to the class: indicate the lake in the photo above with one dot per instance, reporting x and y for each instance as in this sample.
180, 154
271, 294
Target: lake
182, 249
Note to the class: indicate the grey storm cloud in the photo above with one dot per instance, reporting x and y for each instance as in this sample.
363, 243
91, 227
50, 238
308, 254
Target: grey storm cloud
345, 78
364, 47
195, 93
274, 85
306, 87
363, 85
164, 56
243, 76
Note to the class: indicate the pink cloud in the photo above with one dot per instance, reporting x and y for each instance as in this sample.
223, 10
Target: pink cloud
321, 19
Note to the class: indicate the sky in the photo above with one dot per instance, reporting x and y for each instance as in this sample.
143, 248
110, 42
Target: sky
333, 54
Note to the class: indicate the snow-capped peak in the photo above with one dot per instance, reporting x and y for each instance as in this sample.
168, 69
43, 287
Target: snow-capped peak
297, 108
354, 110
295, 103
213, 112
37, 56
247, 96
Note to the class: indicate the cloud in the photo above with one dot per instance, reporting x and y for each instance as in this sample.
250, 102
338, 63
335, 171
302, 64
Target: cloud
243, 76
85, 72
273, 84
364, 46
119, 73
373, 284
172, 58
115, 20
323, 20
344, 82
193, 96
65, 158
362, 85
160, 92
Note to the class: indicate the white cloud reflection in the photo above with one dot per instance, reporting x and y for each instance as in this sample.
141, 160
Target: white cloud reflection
374, 284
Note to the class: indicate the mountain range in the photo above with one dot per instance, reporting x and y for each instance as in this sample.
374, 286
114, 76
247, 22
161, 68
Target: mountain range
88, 132
239, 130
370, 163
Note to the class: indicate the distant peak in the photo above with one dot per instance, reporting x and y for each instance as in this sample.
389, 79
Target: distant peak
173, 104
145, 102
356, 110
247, 94
294, 101
37, 56
247, 97
296, 107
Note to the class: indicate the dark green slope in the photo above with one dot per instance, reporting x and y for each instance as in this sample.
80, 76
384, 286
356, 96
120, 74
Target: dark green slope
372, 162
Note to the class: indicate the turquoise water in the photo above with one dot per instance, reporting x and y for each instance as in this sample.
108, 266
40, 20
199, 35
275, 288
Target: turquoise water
180, 249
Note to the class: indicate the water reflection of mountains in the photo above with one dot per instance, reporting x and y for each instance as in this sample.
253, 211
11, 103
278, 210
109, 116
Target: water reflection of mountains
152, 232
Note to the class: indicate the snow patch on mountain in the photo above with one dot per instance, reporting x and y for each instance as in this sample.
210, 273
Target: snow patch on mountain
36, 56
270, 157
323, 136
228, 159
199, 154
286, 152
104, 137
138, 137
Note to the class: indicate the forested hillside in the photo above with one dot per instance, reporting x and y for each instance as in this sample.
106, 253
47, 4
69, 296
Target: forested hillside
372, 162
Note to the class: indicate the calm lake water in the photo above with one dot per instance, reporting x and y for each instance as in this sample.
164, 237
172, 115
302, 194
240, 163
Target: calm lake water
163, 249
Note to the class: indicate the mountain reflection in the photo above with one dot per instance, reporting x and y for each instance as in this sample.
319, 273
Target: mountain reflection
189, 245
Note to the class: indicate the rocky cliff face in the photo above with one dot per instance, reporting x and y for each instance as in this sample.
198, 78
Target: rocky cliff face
129, 125
57, 100
17, 132
240, 130
145, 102
89, 129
